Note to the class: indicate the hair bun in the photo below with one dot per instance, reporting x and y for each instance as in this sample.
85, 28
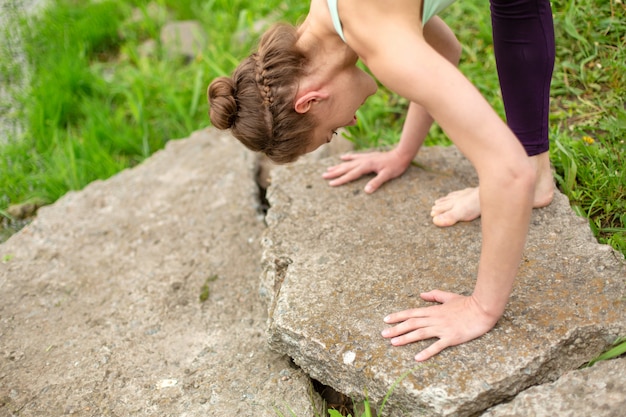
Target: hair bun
223, 110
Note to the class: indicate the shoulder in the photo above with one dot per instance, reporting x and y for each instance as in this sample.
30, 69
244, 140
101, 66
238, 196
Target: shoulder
379, 23
385, 11
320, 17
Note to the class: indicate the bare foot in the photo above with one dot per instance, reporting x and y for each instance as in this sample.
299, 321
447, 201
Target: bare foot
544, 186
458, 206
464, 205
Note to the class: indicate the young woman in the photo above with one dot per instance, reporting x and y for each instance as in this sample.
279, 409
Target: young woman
302, 84
523, 35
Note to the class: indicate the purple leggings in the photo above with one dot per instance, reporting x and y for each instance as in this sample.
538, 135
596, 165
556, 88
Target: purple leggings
523, 37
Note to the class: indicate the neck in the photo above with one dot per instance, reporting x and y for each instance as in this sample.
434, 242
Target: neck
327, 54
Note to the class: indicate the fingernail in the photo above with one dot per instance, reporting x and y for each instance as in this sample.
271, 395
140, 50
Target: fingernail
419, 357
386, 319
385, 332
368, 188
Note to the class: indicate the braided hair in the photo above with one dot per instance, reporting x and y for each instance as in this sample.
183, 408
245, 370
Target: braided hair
257, 102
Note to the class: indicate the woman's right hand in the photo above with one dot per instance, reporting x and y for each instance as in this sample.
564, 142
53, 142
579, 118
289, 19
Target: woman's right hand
386, 165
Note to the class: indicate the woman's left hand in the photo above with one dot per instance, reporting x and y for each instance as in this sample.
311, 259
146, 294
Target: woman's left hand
386, 165
457, 319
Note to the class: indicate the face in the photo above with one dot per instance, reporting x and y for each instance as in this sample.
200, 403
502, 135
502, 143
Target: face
348, 90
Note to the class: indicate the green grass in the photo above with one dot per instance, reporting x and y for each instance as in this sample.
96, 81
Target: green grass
617, 349
365, 407
589, 114
95, 105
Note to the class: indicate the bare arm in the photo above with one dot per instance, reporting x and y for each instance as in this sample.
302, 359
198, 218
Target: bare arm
389, 165
400, 58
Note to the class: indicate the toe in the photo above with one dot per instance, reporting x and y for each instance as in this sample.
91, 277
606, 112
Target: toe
444, 220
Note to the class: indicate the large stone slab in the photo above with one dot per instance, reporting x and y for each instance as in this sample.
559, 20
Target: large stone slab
599, 391
336, 261
100, 297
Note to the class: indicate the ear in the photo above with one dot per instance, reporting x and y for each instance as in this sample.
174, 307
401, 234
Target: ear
304, 103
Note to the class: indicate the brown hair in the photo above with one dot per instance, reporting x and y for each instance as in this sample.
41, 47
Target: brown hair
257, 102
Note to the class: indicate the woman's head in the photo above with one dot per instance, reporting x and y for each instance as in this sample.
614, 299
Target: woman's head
257, 102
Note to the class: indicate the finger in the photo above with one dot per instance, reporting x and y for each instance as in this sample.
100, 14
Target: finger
355, 156
346, 168
431, 350
337, 170
341, 167
331, 169
404, 315
351, 175
406, 327
414, 336
348, 156
438, 296
375, 183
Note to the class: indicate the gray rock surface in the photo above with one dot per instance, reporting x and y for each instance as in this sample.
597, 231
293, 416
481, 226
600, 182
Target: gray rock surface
336, 261
599, 391
183, 38
100, 310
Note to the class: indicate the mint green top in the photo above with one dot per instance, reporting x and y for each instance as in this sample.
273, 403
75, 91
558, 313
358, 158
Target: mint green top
431, 8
